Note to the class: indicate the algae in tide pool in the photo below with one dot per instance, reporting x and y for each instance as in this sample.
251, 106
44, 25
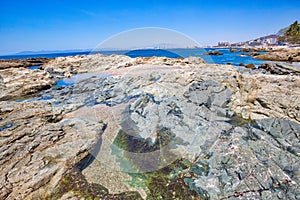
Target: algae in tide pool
166, 181
73, 181
137, 154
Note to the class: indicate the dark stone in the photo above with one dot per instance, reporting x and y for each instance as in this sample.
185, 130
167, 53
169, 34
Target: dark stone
214, 53
254, 54
279, 68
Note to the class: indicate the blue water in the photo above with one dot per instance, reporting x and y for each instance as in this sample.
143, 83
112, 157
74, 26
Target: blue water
2, 128
228, 57
233, 58
64, 83
77, 78
42, 98
45, 98
33, 67
152, 52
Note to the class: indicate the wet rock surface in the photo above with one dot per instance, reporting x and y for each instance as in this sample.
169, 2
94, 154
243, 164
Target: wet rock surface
149, 128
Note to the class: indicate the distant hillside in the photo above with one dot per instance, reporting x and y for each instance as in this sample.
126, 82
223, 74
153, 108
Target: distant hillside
291, 34
50, 51
281, 32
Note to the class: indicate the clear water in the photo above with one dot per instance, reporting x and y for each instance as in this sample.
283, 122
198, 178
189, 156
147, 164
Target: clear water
77, 78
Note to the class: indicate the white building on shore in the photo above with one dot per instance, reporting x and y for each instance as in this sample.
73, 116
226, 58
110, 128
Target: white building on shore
223, 44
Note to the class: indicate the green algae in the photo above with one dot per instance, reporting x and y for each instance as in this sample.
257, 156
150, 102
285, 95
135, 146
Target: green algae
238, 120
136, 144
175, 180
162, 184
167, 180
138, 180
73, 181
136, 154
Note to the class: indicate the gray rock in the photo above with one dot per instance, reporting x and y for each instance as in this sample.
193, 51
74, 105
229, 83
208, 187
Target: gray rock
252, 163
157, 110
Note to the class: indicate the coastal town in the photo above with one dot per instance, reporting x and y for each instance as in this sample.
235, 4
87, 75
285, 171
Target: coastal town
287, 37
270, 40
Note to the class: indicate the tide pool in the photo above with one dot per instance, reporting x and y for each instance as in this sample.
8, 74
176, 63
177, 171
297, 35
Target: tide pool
77, 78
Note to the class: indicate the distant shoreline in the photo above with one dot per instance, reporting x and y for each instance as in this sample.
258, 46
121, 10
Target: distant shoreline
105, 52
263, 53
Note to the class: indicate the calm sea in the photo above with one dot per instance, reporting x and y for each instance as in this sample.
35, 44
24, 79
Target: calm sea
234, 58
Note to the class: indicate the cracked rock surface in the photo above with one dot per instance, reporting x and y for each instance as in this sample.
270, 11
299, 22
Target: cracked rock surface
148, 128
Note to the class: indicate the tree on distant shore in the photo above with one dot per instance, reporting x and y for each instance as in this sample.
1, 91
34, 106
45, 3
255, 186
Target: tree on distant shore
292, 34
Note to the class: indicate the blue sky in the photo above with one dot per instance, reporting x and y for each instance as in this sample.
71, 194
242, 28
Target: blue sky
64, 24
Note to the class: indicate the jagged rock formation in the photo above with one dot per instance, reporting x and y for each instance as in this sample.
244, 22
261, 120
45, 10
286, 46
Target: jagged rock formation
18, 83
38, 147
14, 63
192, 131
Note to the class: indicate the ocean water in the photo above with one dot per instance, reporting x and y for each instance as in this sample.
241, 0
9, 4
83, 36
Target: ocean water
233, 58
152, 52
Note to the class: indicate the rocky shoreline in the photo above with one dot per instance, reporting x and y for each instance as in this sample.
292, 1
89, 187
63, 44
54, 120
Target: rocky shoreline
287, 55
148, 128
15, 63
